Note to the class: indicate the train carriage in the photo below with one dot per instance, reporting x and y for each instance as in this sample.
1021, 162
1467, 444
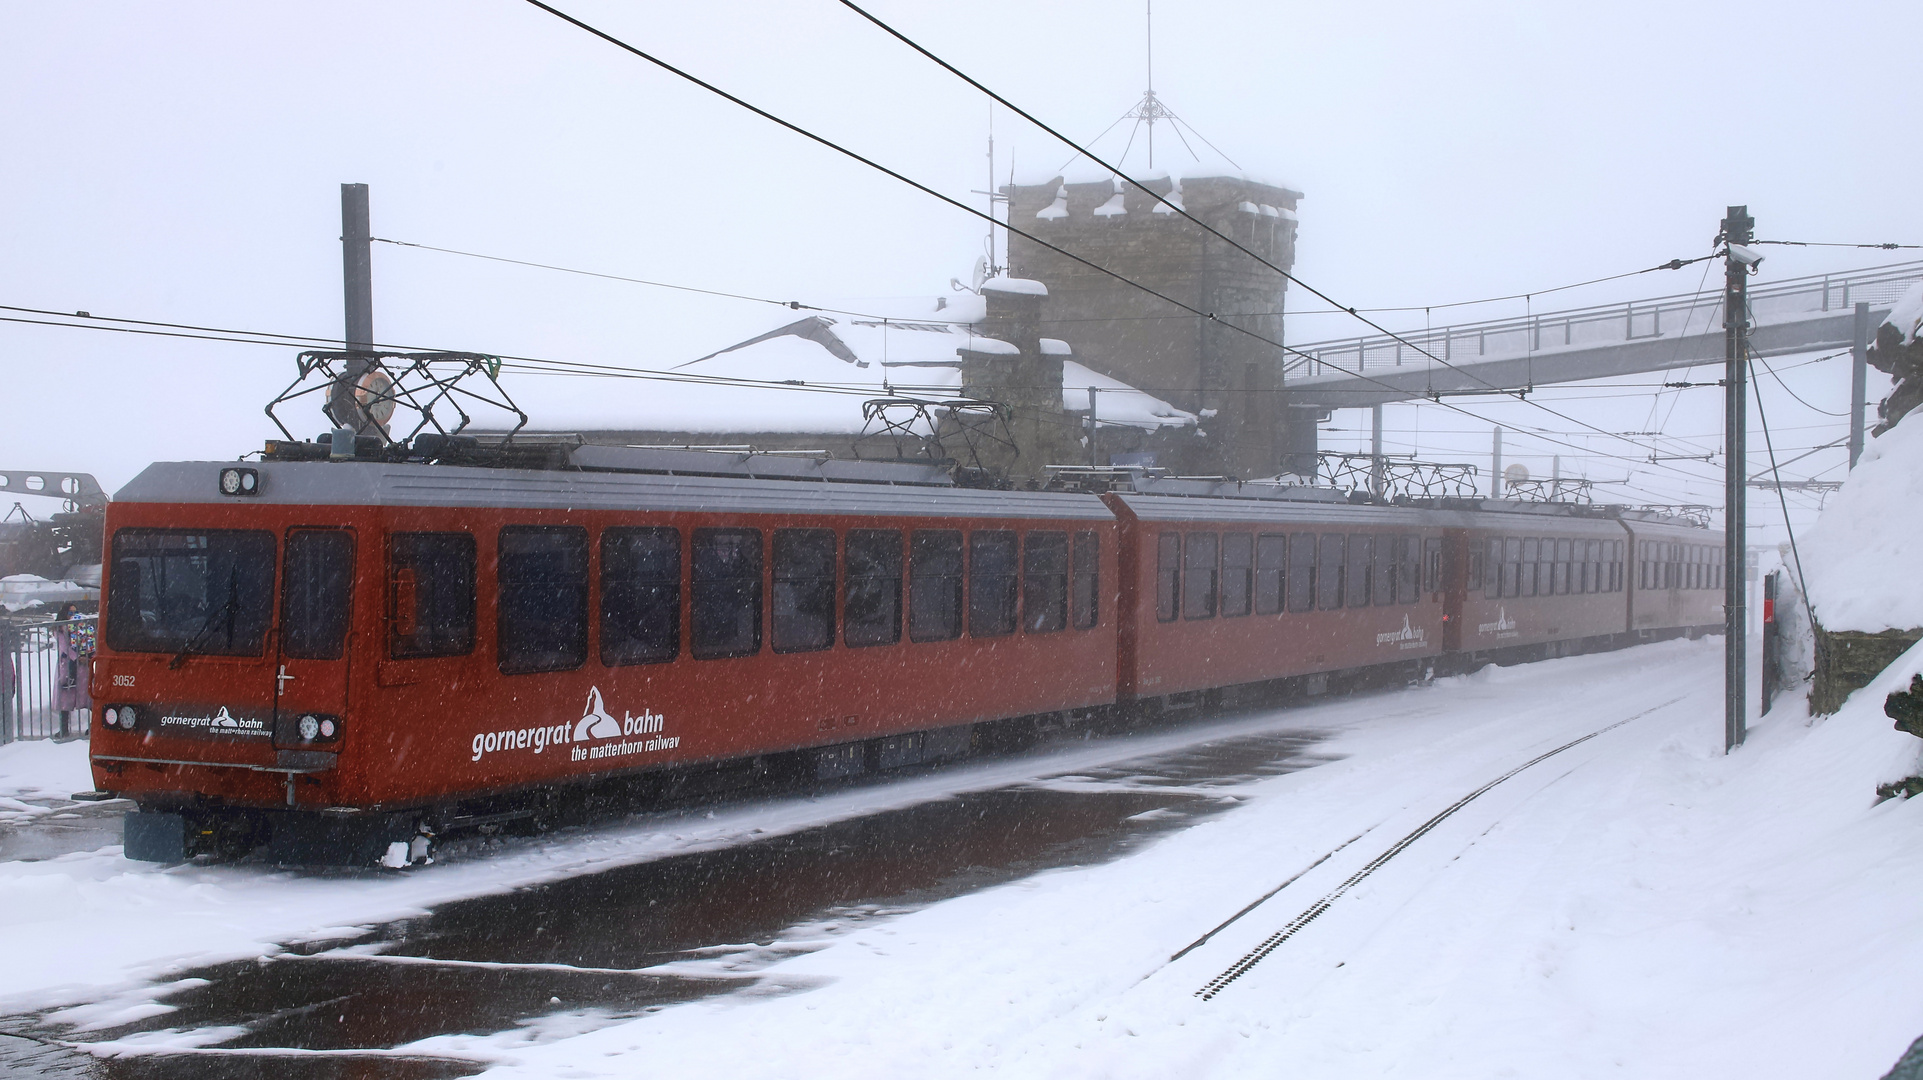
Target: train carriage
1228, 591
383, 636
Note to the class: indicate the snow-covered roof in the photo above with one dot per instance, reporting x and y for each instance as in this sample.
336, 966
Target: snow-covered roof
819, 369
1017, 286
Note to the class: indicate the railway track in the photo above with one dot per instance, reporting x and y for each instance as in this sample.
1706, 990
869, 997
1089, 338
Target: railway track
1270, 944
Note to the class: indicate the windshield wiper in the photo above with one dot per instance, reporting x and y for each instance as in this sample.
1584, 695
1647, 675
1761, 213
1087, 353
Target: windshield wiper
226, 608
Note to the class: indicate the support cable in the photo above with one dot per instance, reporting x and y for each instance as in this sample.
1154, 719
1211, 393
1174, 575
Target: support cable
1777, 477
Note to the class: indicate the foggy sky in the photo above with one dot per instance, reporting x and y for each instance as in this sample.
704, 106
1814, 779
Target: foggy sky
183, 163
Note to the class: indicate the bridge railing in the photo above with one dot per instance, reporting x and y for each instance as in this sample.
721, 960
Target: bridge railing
1607, 324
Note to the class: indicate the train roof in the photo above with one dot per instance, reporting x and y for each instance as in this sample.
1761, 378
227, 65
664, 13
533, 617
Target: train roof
404, 484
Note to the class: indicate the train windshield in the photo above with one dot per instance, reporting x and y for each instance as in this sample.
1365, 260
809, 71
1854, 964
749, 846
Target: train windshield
190, 591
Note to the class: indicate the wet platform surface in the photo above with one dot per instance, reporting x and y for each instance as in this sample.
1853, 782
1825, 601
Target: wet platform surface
586, 951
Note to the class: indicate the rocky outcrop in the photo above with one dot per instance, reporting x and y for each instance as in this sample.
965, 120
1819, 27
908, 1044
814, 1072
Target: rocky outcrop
1898, 353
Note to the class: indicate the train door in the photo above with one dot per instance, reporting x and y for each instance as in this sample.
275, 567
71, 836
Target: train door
1456, 556
311, 665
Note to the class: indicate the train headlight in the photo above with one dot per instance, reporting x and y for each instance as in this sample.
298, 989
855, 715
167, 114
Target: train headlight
310, 727
241, 482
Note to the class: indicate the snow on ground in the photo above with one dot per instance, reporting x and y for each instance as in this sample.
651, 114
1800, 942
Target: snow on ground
38, 770
1637, 905
80, 926
1859, 556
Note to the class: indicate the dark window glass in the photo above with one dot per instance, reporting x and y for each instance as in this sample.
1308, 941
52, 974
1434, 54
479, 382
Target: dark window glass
430, 594
1592, 565
1271, 560
804, 607
725, 609
935, 585
1382, 571
1531, 552
1238, 568
199, 591
1168, 575
1492, 582
316, 593
992, 583
1301, 582
1408, 569
1085, 599
872, 611
542, 614
1199, 569
1328, 571
1474, 584
1356, 576
1044, 582
640, 596
1432, 565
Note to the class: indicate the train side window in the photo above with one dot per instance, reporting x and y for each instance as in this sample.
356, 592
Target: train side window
1200, 566
871, 610
1356, 575
640, 596
1383, 571
1432, 565
430, 594
1271, 560
935, 585
1511, 566
1328, 571
1492, 579
1474, 582
804, 597
1085, 589
725, 609
1409, 569
1301, 582
541, 611
1563, 561
1044, 582
1168, 575
316, 593
993, 584
1238, 570
1531, 552
1618, 559
209, 591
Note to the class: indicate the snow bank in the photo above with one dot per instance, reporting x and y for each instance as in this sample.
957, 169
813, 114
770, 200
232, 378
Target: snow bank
1862, 558
1907, 314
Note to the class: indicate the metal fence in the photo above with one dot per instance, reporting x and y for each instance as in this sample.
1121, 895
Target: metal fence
1669, 316
34, 669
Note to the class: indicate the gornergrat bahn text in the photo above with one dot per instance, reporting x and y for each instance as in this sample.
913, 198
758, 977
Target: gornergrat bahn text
343, 660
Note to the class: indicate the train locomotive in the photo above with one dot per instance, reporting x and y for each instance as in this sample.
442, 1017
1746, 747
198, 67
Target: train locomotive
342, 658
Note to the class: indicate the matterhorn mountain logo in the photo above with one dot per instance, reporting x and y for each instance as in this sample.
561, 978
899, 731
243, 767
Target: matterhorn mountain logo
1504, 626
223, 719
595, 723
1408, 637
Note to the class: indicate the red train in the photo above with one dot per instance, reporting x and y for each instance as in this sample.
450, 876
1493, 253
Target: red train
342, 660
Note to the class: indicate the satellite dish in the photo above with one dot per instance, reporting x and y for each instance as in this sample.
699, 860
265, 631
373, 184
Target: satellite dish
981, 273
1516, 473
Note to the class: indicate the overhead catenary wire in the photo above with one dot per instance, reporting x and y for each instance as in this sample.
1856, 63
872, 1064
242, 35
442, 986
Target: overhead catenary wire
1776, 475
972, 211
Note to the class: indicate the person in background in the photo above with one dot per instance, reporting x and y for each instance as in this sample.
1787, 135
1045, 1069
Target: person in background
75, 641
9, 679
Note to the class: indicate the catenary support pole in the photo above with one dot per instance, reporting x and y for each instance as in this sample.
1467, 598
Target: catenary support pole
1495, 466
1859, 379
357, 281
1375, 451
1738, 229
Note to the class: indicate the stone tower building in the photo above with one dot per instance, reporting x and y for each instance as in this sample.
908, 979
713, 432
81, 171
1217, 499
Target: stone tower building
1232, 380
